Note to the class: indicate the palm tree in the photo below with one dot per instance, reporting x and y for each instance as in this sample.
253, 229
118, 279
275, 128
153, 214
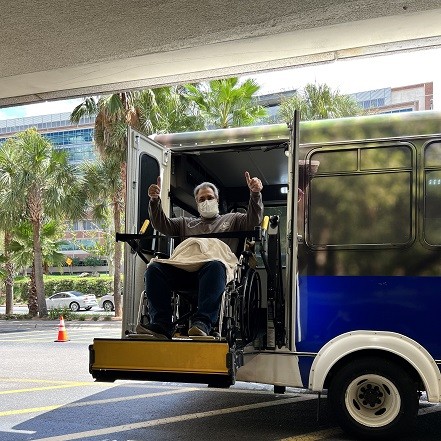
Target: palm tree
226, 103
7, 273
21, 247
42, 185
21, 251
9, 215
166, 110
112, 116
318, 101
104, 185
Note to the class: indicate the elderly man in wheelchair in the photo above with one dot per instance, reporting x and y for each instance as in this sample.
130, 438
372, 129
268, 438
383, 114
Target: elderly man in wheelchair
209, 264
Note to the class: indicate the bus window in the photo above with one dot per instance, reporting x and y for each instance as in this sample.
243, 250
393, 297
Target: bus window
385, 158
432, 197
377, 211
432, 209
336, 161
432, 155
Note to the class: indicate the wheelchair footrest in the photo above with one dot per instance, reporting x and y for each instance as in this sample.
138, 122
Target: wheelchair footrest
202, 338
211, 338
180, 359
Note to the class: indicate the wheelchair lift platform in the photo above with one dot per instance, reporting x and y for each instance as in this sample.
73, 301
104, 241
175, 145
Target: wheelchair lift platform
182, 360
210, 360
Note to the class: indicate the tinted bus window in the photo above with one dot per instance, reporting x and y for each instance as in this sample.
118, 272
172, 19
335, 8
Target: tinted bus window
432, 196
385, 158
336, 161
362, 208
432, 155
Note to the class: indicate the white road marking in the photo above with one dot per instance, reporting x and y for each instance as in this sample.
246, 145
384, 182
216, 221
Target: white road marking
94, 402
24, 432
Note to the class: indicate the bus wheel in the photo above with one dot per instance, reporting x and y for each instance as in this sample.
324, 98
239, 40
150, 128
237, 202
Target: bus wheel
374, 398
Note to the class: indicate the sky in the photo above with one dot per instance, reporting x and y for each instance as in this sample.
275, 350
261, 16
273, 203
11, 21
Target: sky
362, 74
346, 76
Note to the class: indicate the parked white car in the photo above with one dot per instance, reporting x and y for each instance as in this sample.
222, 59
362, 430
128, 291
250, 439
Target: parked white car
107, 302
74, 300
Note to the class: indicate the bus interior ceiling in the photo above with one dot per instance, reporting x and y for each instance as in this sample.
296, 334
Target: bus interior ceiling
226, 169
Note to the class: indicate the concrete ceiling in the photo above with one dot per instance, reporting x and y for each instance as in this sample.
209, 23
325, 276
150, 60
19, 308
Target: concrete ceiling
58, 49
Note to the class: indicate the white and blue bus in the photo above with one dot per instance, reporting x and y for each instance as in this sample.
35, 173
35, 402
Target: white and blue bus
346, 293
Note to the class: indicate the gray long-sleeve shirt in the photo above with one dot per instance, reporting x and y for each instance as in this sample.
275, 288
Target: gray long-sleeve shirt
190, 226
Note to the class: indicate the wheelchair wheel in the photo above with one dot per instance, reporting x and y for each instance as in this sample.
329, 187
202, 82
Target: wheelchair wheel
249, 306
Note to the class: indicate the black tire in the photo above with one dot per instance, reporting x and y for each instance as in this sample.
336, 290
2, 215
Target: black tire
108, 306
74, 307
374, 398
250, 301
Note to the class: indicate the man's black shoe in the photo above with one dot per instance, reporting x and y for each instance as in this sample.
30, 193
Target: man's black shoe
154, 330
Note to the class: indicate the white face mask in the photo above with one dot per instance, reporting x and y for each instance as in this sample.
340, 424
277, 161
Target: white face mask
208, 208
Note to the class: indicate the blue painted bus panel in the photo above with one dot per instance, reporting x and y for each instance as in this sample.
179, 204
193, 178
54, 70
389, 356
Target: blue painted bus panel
328, 306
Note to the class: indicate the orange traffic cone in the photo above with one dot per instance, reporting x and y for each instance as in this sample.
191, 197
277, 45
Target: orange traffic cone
62, 333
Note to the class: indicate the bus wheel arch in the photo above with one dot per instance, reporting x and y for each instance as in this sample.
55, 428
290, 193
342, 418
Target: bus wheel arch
402, 350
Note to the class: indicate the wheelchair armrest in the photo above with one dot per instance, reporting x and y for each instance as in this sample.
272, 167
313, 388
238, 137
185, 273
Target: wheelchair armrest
246, 253
161, 255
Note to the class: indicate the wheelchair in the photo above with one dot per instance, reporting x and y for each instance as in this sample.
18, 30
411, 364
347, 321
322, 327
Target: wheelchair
241, 317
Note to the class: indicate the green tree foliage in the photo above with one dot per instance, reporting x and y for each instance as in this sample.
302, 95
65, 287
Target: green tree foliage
9, 216
106, 199
227, 102
21, 247
42, 184
21, 251
318, 101
166, 110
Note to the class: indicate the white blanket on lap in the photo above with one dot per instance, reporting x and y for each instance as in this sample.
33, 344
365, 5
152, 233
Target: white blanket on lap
194, 252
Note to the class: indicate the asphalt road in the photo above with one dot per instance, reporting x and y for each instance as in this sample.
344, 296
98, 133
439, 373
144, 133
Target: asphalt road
47, 394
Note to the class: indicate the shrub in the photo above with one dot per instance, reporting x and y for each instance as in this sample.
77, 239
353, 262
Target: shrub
66, 313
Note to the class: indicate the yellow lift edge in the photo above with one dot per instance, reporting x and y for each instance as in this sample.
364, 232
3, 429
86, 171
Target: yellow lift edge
181, 360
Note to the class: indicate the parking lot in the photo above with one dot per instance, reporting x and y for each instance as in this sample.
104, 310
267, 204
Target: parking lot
48, 394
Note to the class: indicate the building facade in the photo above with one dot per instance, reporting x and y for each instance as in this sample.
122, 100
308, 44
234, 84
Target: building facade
397, 99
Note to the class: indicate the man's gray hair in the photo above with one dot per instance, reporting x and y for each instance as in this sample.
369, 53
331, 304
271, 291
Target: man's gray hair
206, 185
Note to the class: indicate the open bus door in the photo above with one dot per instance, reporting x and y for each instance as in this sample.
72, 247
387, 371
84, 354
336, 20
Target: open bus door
146, 161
